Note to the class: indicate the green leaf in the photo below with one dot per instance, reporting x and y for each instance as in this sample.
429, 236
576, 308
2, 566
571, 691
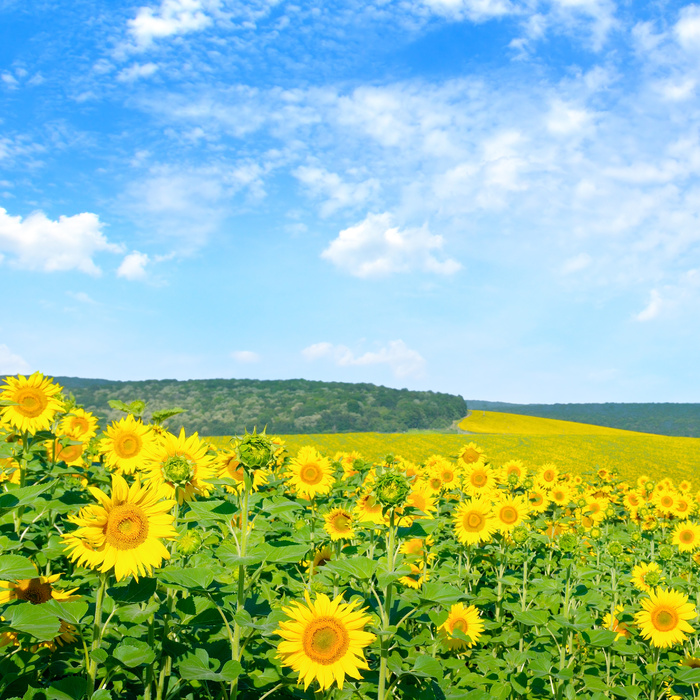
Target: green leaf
631, 692
285, 552
70, 688
519, 682
158, 417
197, 577
599, 638
357, 567
13, 567
21, 496
132, 652
196, 667
687, 675
427, 666
134, 591
441, 593
102, 694
72, 611
532, 618
34, 620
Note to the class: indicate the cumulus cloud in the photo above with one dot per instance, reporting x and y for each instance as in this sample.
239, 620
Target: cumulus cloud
687, 29
172, 17
136, 71
338, 194
653, 308
376, 247
576, 263
246, 356
11, 363
39, 243
402, 360
133, 267
474, 10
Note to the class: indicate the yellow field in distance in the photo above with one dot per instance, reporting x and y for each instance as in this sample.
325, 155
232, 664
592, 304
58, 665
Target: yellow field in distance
575, 447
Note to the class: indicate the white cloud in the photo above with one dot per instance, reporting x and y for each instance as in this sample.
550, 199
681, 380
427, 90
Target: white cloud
133, 267
565, 119
11, 363
39, 243
337, 193
687, 29
474, 10
172, 17
576, 263
82, 297
653, 308
246, 356
402, 360
137, 71
375, 247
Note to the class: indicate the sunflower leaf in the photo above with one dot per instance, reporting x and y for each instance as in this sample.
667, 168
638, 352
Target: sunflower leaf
34, 620
13, 568
132, 652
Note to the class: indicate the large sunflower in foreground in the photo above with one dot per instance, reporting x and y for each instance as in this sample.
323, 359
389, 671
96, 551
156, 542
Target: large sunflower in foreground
464, 620
124, 531
181, 465
34, 400
664, 618
125, 444
474, 522
324, 640
310, 474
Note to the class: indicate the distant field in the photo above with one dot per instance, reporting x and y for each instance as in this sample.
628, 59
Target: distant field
572, 446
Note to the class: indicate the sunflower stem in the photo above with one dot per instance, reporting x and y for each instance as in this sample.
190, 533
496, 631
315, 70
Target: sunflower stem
382, 691
96, 634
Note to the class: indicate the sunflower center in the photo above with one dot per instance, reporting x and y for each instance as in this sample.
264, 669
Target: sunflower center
651, 578
548, 475
341, 522
31, 402
325, 640
508, 515
682, 506
436, 483
461, 625
311, 474
34, 591
127, 526
178, 469
417, 501
127, 445
666, 501
686, 536
79, 425
69, 453
447, 476
664, 619
478, 479
536, 499
473, 522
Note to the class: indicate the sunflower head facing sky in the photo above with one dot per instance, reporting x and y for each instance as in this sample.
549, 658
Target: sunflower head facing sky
324, 640
466, 620
474, 522
125, 443
35, 402
124, 531
310, 473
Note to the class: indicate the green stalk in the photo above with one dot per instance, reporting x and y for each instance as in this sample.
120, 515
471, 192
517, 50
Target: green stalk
240, 601
96, 634
382, 694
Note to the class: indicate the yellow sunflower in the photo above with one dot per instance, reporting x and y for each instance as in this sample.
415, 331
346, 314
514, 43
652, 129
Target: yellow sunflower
338, 524
664, 503
547, 475
125, 444
471, 454
229, 467
310, 474
324, 640
479, 480
464, 620
539, 500
685, 507
646, 576
664, 618
416, 578
685, 486
182, 465
614, 625
513, 472
369, 510
79, 425
33, 590
686, 536
474, 522
124, 531
347, 462
421, 498
561, 494
321, 557
510, 512
72, 455
415, 549
34, 400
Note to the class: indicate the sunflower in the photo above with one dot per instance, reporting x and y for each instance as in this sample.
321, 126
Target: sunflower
632, 501
684, 507
34, 402
416, 578
686, 536
539, 500
614, 625
310, 474
369, 510
123, 531
79, 425
513, 472
338, 524
33, 590
324, 640
474, 521
422, 499
547, 475
433, 484
510, 512
10, 470
685, 486
347, 462
644, 576
664, 618
72, 455
125, 444
479, 480
321, 557
181, 465
444, 469
561, 494
665, 503
414, 549
229, 467
471, 454
464, 620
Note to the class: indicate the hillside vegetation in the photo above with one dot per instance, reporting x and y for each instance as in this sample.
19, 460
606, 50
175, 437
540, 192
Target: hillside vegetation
229, 406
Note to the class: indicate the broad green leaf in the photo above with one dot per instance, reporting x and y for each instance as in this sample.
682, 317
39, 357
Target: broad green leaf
186, 578
134, 591
631, 692
196, 667
285, 552
228, 555
102, 694
357, 567
72, 611
427, 666
21, 496
599, 638
132, 652
441, 593
519, 682
34, 620
532, 617
14, 567
687, 675
70, 688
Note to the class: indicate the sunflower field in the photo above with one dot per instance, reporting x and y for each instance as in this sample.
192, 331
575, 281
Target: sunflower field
137, 563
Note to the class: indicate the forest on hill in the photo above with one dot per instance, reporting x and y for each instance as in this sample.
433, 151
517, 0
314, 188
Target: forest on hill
674, 419
293, 406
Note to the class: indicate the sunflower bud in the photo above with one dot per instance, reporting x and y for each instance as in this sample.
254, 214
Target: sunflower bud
178, 470
528, 483
635, 537
666, 552
615, 549
652, 578
391, 490
596, 533
568, 542
255, 451
520, 535
189, 543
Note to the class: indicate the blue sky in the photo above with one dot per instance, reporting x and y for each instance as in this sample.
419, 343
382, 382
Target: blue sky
494, 198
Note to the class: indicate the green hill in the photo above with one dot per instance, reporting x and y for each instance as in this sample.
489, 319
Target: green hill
293, 406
